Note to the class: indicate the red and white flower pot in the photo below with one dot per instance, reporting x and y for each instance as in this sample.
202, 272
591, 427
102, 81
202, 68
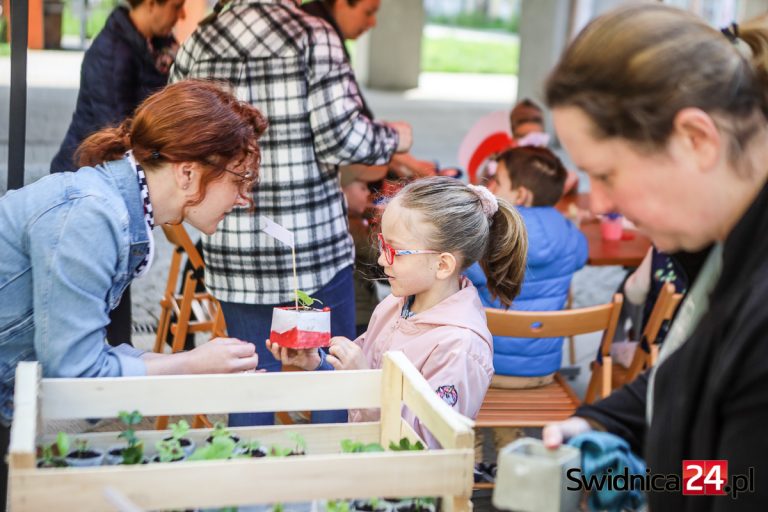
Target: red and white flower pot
301, 328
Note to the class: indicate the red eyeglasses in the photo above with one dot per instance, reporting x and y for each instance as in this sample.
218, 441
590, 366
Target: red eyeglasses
390, 253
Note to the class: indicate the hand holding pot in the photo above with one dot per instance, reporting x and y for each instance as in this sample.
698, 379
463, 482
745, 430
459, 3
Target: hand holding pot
345, 355
307, 359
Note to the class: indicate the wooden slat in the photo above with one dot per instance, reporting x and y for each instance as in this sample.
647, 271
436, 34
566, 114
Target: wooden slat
392, 398
25, 416
548, 324
243, 482
170, 395
450, 428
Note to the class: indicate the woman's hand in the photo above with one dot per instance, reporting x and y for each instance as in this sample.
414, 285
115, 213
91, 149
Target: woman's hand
306, 359
221, 355
555, 434
345, 355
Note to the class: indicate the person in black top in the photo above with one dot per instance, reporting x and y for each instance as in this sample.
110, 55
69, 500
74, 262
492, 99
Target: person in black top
669, 117
128, 60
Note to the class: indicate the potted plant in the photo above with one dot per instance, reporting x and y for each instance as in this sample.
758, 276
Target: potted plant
254, 449
178, 431
133, 452
218, 448
169, 450
221, 430
83, 456
53, 454
301, 326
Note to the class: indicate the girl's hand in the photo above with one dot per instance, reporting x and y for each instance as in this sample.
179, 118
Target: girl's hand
345, 355
555, 434
306, 359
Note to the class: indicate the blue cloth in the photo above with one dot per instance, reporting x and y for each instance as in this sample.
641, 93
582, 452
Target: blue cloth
252, 322
69, 245
118, 72
556, 249
601, 451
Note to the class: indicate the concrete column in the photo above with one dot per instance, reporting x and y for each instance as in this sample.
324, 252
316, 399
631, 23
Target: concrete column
389, 56
544, 26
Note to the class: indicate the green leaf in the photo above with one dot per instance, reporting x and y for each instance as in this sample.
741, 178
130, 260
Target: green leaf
62, 443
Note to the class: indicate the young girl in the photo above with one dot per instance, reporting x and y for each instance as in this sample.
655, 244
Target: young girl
432, 231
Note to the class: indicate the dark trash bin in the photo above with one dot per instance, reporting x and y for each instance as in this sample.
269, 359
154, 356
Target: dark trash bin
52, 14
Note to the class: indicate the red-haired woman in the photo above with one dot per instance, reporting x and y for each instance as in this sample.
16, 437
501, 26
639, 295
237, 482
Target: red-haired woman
72, 242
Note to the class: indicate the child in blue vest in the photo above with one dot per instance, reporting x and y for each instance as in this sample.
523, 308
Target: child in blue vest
532, 178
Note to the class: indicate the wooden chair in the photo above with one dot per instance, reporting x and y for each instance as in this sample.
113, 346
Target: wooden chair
195, 311
536, 407
647, 351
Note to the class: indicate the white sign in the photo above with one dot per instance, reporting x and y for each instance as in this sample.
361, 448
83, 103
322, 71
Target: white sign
275, 230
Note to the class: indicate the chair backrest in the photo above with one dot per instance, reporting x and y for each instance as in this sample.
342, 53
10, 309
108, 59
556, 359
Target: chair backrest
663, 311
554, 324
178, 236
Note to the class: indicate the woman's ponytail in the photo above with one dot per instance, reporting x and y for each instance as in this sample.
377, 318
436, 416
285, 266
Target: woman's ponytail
505, 261
104, 145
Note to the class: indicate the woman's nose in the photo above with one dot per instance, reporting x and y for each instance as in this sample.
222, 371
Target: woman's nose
600, 201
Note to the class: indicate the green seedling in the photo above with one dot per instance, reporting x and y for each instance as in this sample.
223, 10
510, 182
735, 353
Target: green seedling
169, 450
134, 452
179, 430
337, 506
405, 445
54, 453
220, 447
305, 300
350, 446
300, 445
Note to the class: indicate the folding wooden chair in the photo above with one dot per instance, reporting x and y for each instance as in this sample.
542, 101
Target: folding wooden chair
647, 351
195, 311
536, 407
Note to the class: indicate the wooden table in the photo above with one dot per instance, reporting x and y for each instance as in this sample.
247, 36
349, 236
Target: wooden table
627, 252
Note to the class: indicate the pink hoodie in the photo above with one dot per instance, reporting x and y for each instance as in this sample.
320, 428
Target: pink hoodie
449, 344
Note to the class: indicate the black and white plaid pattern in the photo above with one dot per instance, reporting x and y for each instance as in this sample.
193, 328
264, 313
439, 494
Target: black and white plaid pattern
293, 68
143, 267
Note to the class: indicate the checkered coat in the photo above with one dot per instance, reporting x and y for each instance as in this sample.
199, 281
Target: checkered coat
292, 66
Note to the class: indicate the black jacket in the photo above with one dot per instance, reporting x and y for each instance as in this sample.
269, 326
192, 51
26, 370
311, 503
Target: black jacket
119, 71
711, 395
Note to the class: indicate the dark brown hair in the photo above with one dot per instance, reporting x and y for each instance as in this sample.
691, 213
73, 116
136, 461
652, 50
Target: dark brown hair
460, 226
189, 121
135, 3
537, 169
632, 70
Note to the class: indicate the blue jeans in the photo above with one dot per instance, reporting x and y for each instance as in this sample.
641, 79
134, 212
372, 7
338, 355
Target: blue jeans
252, 322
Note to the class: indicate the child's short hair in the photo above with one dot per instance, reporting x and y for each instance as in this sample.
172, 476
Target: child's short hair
537, 169
526, 111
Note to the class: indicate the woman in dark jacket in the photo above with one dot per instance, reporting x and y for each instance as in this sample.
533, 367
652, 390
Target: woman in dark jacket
668, 116
128, 60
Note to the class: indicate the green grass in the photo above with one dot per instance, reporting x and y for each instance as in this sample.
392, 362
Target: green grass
455, 56
479, 21
5, 49
97, 16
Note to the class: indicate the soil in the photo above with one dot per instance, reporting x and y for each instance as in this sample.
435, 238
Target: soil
236, 439
257, 453
87, 454
183, 441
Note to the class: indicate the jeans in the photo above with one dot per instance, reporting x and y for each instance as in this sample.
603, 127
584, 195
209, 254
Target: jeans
252, 322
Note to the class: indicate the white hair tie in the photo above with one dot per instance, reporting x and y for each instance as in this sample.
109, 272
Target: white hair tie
488, 201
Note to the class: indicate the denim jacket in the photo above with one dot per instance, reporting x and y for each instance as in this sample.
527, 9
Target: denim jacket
69, 244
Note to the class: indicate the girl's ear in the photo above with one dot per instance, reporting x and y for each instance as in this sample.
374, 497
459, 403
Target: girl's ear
446, 265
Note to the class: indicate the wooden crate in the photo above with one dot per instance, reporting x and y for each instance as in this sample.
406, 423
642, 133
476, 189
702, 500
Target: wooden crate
324, 473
